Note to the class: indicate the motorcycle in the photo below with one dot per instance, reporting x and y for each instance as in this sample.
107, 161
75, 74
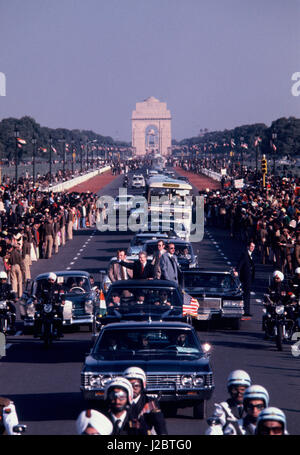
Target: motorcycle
281, 319
48, 321
5, 316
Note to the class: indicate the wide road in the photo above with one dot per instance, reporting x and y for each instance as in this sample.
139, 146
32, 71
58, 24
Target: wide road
45, 383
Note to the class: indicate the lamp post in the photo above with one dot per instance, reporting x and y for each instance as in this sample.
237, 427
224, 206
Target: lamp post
33, 141
242, 154
256, 154
16, 133
73, 155
50, 159
81, 157
274, 137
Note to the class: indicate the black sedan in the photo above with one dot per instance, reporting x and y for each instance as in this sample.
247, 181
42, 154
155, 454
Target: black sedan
219, 294
177, 366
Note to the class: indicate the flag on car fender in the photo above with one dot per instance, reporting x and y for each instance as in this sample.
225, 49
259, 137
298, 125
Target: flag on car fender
190, 305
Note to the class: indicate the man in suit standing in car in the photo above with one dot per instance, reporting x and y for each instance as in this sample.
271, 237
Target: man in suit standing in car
118, 271
169, 265
142, 270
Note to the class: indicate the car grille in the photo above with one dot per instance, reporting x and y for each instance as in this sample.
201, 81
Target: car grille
163, 381
210, 303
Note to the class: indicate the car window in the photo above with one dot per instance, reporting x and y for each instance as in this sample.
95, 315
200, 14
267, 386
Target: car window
206, 280
142, 340
130, 299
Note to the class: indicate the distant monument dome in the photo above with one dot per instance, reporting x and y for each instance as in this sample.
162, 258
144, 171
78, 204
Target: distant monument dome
151, 115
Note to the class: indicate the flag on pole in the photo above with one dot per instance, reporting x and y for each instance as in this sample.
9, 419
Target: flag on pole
257, 141
244, 145
102, 299
190, 305
54, 149
273, 146
232, 142
21, 141
43, 149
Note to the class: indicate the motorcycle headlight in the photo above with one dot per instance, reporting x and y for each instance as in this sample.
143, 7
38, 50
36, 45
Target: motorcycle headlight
279, 309
264, 310
198, 380
30, 310
187, 380
2, 305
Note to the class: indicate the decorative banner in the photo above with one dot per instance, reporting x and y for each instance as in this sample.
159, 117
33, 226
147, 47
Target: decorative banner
21, 141
238, 183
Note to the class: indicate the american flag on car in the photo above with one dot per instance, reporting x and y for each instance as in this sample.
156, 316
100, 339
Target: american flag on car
190, 305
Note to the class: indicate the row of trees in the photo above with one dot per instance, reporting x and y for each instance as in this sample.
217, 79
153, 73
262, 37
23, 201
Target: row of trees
287, 137
28, 128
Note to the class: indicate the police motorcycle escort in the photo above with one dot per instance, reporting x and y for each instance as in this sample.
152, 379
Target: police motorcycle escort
227, 413
9, 422
48, 315
281, 312
7, 308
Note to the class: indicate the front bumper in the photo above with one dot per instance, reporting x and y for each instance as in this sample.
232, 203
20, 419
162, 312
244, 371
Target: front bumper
227, 313
161, 395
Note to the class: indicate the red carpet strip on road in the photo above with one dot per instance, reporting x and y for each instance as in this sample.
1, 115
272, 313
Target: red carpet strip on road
201, 182
94, 184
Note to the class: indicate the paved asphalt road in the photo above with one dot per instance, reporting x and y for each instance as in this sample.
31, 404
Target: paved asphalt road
45, 384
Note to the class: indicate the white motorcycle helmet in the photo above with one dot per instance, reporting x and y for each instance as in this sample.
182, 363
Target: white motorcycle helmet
3, 275
297, 271
120, 382
51, 276
278, 274
256, 392
273, 414
95, 419
238, 377
136, 373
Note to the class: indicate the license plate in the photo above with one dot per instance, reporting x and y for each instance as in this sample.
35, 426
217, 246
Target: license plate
203, 317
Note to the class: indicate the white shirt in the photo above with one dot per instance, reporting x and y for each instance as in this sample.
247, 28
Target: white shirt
122, 418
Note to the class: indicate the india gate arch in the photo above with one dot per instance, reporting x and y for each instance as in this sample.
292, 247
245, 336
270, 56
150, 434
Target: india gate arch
151, 125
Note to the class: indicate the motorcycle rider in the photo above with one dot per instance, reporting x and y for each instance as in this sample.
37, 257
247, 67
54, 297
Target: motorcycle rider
227, 413
256, 398
118, 396
277, 293
142, 405
271, 421
7, 294
91, 422
8, 417
50, 292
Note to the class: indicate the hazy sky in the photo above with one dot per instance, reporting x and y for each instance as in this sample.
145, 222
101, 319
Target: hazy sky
84, 64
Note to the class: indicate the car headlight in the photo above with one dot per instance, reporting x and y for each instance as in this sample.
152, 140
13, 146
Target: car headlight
279, 309
187, 380
198, 380
233, 303
2, 305
88, 307
95, 381
105, 379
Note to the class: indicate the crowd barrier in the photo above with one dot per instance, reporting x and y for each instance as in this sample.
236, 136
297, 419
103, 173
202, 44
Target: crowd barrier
212, 174
63, 186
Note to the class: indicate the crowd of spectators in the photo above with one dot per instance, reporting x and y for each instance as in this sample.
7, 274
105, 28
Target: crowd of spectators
269, 216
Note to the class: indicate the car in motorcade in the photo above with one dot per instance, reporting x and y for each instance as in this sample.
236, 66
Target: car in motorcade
219, 294
143, 299
138, 181
183, 250
81, 298
138, 241
176, 364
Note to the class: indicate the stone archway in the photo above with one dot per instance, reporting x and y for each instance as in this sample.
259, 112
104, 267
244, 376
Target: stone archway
151, 114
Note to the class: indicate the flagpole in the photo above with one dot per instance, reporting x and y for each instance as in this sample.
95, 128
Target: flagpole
274, 136
16, 155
